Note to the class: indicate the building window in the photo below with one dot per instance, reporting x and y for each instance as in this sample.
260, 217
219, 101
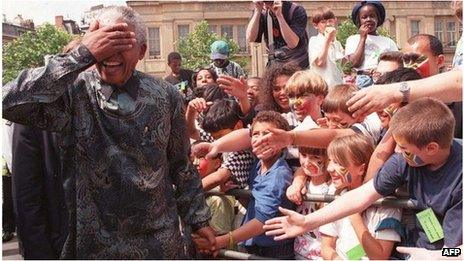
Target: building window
451, 30
154, 50
415, 27
213, 28
439, 30
227, 31
447, 31
241, 38
183, 30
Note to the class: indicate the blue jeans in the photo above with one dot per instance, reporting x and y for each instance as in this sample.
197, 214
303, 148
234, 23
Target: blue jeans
363, 81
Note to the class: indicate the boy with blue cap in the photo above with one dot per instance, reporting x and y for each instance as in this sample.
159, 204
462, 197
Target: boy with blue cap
221, 64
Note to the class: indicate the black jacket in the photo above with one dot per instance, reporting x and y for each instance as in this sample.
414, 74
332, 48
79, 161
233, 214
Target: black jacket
38, 193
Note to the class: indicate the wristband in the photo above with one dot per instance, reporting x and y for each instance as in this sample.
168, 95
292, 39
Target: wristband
231, 241
293, 137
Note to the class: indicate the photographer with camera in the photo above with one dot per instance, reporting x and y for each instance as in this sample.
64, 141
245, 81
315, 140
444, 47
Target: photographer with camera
283, 24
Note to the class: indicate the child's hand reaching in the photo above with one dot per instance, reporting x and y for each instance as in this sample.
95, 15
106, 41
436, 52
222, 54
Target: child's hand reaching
199, 104
289, 226
295, 193
322, 122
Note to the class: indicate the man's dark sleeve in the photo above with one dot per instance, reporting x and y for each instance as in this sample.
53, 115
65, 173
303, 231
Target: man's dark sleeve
299, 21
189, 195
391, 175
29, 194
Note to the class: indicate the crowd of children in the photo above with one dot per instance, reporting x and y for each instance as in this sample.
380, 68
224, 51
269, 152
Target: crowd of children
291, 134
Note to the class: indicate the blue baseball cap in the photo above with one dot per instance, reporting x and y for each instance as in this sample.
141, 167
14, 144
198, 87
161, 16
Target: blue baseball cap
219, 50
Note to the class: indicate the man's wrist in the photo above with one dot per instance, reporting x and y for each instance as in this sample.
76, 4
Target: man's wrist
200, 225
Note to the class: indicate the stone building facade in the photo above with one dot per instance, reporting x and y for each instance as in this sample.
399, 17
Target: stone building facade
168, 20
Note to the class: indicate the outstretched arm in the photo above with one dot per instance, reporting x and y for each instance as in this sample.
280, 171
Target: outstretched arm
446, 87
294, 224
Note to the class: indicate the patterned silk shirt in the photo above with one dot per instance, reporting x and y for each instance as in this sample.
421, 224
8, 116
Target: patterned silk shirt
127, 177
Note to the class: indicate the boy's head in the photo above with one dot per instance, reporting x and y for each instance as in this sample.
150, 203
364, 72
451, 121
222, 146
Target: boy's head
313, 161
429, 46
423, 130
206, 166
335, 108
254, 87
369, 13
219, 53
323, 18
175, 62
306, 91
348, 160
388, 61
264, 121
222, 118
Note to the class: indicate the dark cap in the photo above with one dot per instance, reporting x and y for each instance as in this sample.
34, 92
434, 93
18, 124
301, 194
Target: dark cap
377, 4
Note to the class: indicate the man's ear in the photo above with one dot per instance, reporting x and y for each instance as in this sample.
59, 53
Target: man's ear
432, 148
143, 49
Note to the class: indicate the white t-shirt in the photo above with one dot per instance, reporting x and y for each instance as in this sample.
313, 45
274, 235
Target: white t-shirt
7, 142
330, 73
375, 46
371, 127
308, 245
346, 237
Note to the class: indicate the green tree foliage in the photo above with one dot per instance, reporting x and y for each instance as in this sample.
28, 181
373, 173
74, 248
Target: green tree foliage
30, 49
195, 48
348, 28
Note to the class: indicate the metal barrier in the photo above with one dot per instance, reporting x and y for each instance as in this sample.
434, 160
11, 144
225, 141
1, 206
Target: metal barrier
230, 254
387, 202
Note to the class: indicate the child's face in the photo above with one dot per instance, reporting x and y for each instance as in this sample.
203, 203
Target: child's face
204, 77
414, 156
323, 24
368, 17
206, 166
345, 176
340, 120
279, 94
306, 104
253, 91
258, 131
313, 165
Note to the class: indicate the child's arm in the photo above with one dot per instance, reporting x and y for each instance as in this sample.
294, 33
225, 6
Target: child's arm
375, 249
237, 88
294, 224
250, 229
381, 154
357, 57
321, 59
295, 191
216, 178
328, 244
194, 107
235, 141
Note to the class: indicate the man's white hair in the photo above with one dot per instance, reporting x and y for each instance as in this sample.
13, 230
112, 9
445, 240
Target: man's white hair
111, 14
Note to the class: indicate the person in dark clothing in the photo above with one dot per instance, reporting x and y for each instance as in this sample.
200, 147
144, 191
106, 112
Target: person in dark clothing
179, 77
38, 194
289, 41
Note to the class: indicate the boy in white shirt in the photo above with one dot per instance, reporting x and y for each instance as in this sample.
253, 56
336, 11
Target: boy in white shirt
324, 49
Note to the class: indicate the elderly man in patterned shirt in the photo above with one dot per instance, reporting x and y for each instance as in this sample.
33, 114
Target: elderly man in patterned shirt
127, 177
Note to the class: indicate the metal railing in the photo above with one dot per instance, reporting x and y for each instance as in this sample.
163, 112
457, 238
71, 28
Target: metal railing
386, 202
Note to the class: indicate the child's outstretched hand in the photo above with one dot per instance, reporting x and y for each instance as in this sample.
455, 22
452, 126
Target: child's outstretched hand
233, 86
199, 104
205, 149
289, 226
295, 193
